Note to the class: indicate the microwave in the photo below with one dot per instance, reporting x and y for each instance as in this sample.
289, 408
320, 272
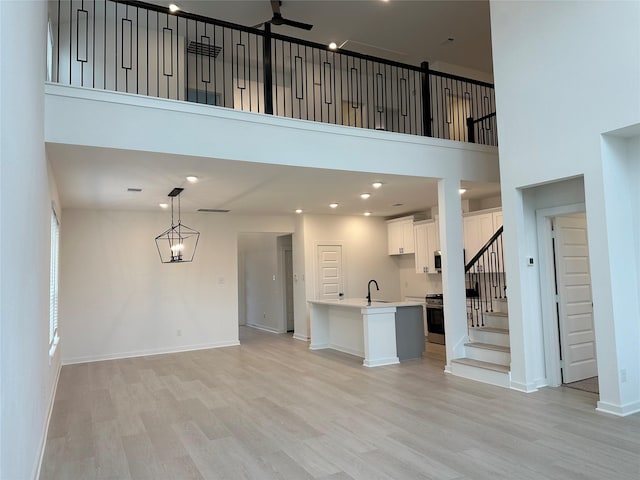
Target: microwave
437, 259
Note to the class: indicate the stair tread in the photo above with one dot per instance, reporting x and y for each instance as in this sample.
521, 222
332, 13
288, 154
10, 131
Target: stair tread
493, 330
480, 364
488, 346
497, 314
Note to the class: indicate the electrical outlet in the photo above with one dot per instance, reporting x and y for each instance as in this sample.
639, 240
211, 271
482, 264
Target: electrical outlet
178, 333
623, 375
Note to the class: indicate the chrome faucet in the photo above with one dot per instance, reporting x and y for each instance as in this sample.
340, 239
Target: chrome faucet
369, 290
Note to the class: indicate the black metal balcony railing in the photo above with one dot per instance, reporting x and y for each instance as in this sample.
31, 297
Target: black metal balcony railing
134, 47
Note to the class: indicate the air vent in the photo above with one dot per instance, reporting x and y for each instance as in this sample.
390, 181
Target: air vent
213, 210
204, 49
134, 189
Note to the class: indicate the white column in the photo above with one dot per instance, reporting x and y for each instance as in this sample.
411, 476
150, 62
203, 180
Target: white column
613, 256
453, 287
379, 336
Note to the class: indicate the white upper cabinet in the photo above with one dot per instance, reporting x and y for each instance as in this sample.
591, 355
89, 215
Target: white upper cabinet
400, 236
497, 219
422, 257
478, 229
427, 242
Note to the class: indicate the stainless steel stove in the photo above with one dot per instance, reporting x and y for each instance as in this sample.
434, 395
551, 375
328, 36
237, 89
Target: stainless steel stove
435, 318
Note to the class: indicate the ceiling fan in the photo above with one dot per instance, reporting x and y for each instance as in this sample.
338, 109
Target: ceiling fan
278, 19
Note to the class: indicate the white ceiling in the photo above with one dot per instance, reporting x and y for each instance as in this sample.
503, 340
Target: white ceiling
99, 178
408, 31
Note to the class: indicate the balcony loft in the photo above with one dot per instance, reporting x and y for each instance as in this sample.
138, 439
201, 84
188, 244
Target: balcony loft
144, 49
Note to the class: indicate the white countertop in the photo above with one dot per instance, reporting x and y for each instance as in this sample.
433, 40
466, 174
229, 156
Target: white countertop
362, 303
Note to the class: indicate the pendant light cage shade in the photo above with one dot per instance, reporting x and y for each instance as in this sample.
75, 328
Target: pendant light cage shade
177, 244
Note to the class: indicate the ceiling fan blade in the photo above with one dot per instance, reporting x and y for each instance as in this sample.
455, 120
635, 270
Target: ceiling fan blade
260, 25
293, 23
275, 6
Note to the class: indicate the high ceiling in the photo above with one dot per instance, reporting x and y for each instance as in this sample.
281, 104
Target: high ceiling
405, 31
408, 31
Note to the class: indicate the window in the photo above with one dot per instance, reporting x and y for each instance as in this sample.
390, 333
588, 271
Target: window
53, 283
49, 52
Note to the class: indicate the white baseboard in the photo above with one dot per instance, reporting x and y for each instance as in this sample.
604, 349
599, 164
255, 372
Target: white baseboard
45, 433
152, 351
264, 328
304, 338
381, 362
523, 387
348, 350
618, 410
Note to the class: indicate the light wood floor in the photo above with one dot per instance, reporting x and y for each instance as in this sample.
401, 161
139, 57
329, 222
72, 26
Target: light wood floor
272, 409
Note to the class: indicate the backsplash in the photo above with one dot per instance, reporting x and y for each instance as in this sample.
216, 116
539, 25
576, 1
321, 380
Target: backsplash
414, 284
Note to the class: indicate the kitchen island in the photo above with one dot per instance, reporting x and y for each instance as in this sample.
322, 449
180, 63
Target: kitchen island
383, 333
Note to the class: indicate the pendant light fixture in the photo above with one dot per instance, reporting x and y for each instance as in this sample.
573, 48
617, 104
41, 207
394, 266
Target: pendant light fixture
178, 243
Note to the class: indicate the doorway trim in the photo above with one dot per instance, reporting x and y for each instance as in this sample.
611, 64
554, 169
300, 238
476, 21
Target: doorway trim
547, 288
285, 279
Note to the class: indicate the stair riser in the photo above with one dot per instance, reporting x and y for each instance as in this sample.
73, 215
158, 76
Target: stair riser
481, 374
491, 356
493, 338
496, 322
501, 305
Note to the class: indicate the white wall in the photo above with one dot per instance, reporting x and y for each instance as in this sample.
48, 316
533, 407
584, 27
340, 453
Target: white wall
117, 299
461, 71
576, 82
634, 168
27, 378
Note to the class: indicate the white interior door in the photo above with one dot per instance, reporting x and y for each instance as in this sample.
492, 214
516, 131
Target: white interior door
330, 281
575, 307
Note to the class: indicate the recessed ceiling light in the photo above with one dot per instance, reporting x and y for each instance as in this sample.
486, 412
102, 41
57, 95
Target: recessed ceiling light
366, 214
364, 196
462, 190
173, 8
333, 205
192, 179
333, 46
376, 184
299, 210
164, 205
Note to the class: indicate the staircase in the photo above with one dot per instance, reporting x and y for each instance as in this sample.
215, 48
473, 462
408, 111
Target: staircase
487, 353
488, 356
